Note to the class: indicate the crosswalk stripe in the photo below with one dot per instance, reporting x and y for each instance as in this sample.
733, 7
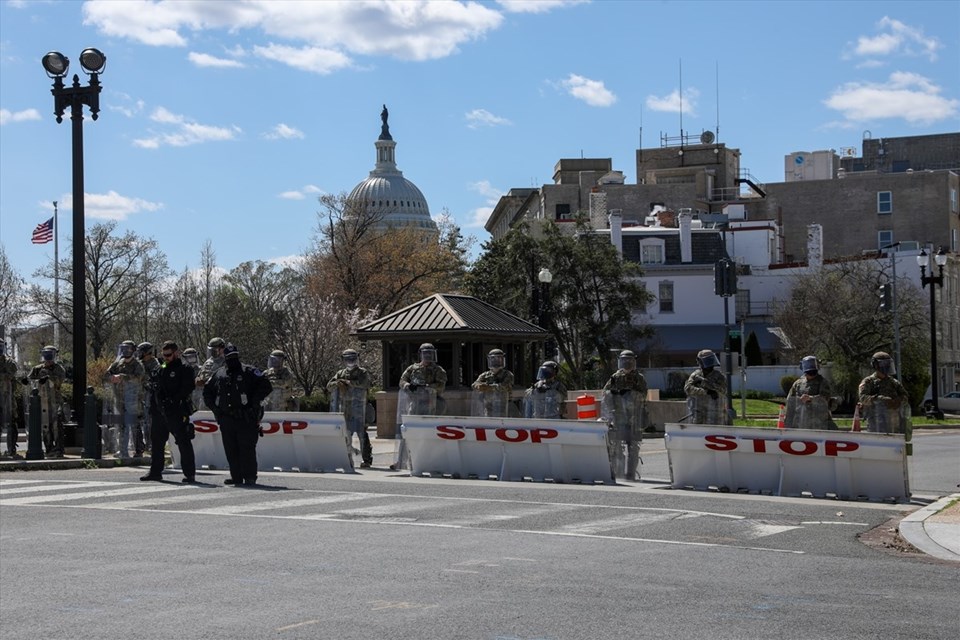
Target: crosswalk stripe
618, 522
271, 505
156, 502
503, 517
31, 500
55, 487
9, 483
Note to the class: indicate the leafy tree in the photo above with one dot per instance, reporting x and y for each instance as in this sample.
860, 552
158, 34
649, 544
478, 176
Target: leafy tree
591, 300
12, 307
363, 263
834, 314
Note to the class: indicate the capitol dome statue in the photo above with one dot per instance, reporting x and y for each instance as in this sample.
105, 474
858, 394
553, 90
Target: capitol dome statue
387, 193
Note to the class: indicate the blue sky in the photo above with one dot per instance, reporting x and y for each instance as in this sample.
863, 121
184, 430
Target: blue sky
225, 120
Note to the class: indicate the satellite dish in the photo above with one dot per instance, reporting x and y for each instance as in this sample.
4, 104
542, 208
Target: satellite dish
706, 137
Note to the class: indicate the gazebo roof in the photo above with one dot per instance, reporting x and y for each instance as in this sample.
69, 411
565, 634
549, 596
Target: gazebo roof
446, 315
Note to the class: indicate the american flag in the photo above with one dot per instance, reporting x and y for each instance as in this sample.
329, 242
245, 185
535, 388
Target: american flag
43, 233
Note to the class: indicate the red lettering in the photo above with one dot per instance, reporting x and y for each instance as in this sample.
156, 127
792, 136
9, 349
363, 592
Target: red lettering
205, 426
808, 447
721, 443
504, 434
289, 426
538, 435
759, 444
447, 432
273, 427
480, 433
832, 448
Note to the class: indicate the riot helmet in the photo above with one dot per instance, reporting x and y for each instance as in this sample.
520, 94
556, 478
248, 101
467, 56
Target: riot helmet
191, 357
215, 347
548, 370
145, 348
350, 358
707, 359
230, 352
496, 359
275, 359
126, 349
809, 365
627, 360
48, 353
428, 353
883, 363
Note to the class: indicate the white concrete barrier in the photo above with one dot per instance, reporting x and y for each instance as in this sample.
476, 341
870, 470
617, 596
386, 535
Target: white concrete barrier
782, 462
291, 442
508, 448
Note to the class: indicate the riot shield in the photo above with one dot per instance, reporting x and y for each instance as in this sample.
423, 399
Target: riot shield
492, 402
421, 401
704, 409
111, 420
881, 417
624, 413
539, 403
281, 400
814, 414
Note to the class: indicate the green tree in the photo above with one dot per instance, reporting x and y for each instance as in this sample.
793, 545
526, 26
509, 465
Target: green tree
12, 308
592, 297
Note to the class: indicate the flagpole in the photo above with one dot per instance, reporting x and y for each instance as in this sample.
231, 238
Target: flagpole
56, 278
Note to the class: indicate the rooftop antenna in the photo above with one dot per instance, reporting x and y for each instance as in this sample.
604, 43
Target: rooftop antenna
717, 77
681, 101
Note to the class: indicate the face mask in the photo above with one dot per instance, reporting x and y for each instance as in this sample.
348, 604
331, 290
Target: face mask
233, 364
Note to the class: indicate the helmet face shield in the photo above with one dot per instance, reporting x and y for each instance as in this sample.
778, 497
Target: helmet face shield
546, 372
809, 365
496, 361
627, 363
885, 366
126, 350
190, 357
708, 360
274, 362
48, 355
428, 355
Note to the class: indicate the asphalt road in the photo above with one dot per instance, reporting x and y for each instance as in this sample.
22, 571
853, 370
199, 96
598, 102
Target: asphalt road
98, 554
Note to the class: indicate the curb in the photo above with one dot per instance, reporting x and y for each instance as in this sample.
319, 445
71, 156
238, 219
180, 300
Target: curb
53, 464
913, 531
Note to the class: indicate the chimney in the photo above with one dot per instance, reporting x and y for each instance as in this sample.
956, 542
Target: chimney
815, 246
686, 237
616, 229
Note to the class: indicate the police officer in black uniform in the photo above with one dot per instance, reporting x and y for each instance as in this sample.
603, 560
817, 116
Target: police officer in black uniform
234, 394
170, 387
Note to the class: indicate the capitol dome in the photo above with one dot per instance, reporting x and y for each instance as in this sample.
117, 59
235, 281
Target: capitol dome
386, 192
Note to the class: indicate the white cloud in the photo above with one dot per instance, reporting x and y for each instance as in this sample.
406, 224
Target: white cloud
896, 37
7, 117
409, 30
185, 133
110, 205
207, 60
129, 108
536, 6
480, 215
300, 194
593, 92
293, 262
482, 118
283, 132
671, 103
909, 96
313, 59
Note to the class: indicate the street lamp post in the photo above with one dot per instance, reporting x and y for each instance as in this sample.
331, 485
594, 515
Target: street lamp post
75, 97
924, 260
545, 278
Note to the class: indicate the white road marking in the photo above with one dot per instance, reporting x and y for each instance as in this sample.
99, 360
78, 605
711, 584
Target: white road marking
9, 483
761, 529
55, 487
618, 522
503, 517
271, 505
33, 500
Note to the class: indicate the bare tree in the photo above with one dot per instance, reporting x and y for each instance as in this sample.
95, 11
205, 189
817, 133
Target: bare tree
12, 303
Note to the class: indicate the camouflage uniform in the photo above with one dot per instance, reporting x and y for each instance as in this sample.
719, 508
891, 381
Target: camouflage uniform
143, 437
884, 402
49, 377
8, 386
128, 399
814, 414
707, 395
282, 397
624, 408
348, 389
495, 388
428, 374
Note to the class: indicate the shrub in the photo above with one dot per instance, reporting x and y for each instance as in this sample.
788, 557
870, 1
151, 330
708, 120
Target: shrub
786, 382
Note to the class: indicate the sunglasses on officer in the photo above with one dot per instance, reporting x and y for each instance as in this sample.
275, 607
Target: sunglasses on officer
168, 354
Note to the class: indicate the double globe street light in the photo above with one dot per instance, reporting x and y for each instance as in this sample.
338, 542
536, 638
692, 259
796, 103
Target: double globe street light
923, 260
75, 97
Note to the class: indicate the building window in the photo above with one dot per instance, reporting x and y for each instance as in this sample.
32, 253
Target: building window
666, 297
954, 205
563, 212
884, 239
884, 202
651, 251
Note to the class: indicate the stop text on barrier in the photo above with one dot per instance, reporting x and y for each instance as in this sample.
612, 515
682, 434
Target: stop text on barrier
795, 447
456, 432
285, 426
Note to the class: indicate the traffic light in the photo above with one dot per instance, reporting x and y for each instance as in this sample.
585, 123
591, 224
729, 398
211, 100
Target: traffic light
725, 277
886, 297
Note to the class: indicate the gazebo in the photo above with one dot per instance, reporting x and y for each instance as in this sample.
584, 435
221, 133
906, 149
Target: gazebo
463, 329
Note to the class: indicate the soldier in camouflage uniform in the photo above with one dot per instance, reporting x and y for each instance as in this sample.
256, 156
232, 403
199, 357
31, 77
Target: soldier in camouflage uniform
8, 386
191, 359
706, 390
213, 363
546, 397
348, 392
883, 400
148, 358
283, 397
809, 399
48, 377
426, 373
624, 406
492, 388
126, 376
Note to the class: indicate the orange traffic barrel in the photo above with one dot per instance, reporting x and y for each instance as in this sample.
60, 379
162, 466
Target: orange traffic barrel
586, 407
